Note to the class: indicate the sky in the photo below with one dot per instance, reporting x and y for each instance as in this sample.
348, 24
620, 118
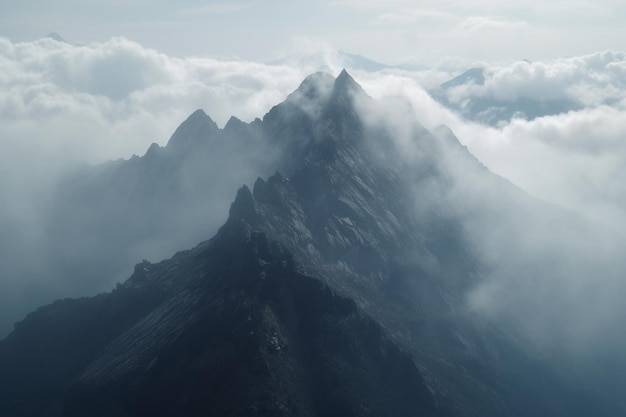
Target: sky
132, 71
393, 31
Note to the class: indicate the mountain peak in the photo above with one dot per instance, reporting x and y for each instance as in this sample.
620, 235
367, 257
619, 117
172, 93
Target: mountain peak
345, 80
317, 87
244, 207
341, 104
346, 86
55, 36
233, 123
152, 150
474, 75
198, 114
344, 74
195, 128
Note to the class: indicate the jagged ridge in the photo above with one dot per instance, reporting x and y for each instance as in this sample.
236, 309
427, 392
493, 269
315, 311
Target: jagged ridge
324, 293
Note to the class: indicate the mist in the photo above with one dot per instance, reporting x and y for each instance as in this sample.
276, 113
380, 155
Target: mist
550, 269
556, 276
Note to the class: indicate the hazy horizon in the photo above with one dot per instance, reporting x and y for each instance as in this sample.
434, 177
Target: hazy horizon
393, 32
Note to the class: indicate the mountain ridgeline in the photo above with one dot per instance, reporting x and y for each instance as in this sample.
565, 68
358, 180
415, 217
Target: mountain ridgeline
340, 283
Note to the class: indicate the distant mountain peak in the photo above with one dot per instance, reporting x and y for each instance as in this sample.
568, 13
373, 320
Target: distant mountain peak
55, 36
474, 75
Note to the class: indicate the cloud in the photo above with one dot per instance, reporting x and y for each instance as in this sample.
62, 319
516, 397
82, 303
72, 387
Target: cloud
573, 159
488, 23
578, 9
106, 86
217, 8
589, 80
410, 16
554, 274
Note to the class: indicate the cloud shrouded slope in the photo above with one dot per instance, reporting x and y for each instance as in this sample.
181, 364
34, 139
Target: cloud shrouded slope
61, 103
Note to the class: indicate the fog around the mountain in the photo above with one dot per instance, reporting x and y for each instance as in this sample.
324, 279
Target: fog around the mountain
63, 104
555, 270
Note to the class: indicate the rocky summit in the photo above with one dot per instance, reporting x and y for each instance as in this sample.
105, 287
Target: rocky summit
337, 286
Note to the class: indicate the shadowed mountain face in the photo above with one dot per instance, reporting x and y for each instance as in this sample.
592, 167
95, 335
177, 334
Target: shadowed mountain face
104, 218
337, 286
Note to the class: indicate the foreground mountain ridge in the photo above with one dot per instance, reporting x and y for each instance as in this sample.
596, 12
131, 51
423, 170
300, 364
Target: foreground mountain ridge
337, 286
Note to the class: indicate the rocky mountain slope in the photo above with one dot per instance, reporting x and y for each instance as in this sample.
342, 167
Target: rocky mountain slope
338, 285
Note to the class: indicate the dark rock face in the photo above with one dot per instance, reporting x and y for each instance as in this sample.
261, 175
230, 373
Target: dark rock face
325, 293
231, 328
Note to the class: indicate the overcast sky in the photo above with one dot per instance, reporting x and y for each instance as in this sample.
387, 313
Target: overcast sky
392, 31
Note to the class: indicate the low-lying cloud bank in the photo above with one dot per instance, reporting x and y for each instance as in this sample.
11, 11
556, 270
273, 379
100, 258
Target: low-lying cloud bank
499, 93
61, 104
590, 80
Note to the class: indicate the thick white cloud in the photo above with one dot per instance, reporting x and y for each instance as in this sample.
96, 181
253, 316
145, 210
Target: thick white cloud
589, 80
113, 99
488, 23
576, 160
